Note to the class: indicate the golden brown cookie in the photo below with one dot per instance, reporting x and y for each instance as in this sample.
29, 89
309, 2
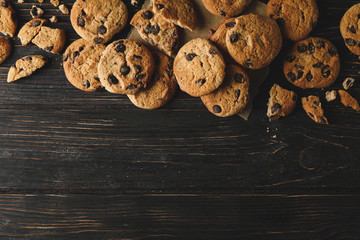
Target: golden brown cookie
348, 101
25, 67
281, 102
30, 30
8, 20
226, 8
50, 39
5, 48
350, 29
312, 107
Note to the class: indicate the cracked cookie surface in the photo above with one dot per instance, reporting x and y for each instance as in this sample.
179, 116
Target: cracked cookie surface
350, 28
312, 63
254, 41
125, 67
8, 20
281, 102
296, 19
25, 66
232, 96
199, 67
98, 21
50, 39
5, 48
30, 30
226, 8
80, 63
313, 109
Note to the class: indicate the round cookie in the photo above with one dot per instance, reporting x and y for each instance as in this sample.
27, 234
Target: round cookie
254, 41
226, 8
199, 67
98, 21
125, 67
5, 49
8, 20
179, 12
350, 29
312, 63
80, 63
162, 87
232, 96
296, 19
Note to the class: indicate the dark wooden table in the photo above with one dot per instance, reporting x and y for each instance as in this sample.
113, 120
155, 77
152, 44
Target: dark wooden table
76, 165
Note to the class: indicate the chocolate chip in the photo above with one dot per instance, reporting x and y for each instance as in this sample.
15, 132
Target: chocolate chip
102, 30
27, 58
320, 44
291, 76
153, 29
49, 48
318, 65
280, 22
234, 37
120, 47
290, 58
36, 23
137, 57
138, 68
299, 66
248, 63
159, 6
239, 78
300, 74
124, 70
4, 4
230, 24
201, 82
98, 40
310, 114
309, 76
302, 48
332, 51
212, 51
350, 42
311, 48
271, 15
75, 54
81, 21
190, 56
138, 76
275, 108
21, 69
97, 79
86, 83
138, 44
217, 109
237, 93
113, 80
34, 11
65, 57
83, 13
352, 29
131, 87
147, 14
325, 71
222, 13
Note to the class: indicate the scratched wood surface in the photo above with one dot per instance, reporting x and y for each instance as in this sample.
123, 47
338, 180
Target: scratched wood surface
77, 165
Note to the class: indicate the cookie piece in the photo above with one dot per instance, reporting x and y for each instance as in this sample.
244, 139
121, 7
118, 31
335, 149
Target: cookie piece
199, 67
348, 101
30, 30
25, 66
330, 95
281, 102
125, 67
254, 41
80, 63
156, 30
8, 20
162, 87
98, 21
226, 8
55, 3
312, 63
232, 96
36, 12
312, 107
296, 19
5, 48
53, 19
63, 9
348, 83
50, 39
350, 29
218, 34
179, 12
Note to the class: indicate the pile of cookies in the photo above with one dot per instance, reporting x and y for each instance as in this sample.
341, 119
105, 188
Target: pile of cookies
214, 69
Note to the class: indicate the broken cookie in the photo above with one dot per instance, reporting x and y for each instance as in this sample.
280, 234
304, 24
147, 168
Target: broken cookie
312, 107
281, 102
25, 67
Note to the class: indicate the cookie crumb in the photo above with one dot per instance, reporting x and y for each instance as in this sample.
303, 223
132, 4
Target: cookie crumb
275, 136
55, 2
348, 101
63, 9
136, 3
20, 1
330, 95
348, 83
53, 19
36, 12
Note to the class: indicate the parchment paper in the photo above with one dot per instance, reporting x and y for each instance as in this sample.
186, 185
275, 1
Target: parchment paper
206, 21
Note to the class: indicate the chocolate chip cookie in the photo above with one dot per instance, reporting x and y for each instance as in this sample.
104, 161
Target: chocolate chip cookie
254, 41
296, 19
312, 63
312, 107
5, 49
179, 12
162, 87
281, 102
350, 29
25, 67
226, 8
50, 39
8, 20
199, 67
156, 30
80, 63
232, 96
125, 67
30, 30
348, 101
98, 21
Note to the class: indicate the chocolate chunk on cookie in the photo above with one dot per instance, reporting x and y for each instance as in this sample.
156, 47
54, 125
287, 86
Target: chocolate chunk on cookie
25, 67
179, 12
98, 21
312, 107
8, 20
5, 48
199, 67
226, 8
281, 102
348, 101
125, 67
296, 19
50, 39
254, 41
350, 29
156, 30
80, 62
162, 87
30, 30
232, 96
312, 63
